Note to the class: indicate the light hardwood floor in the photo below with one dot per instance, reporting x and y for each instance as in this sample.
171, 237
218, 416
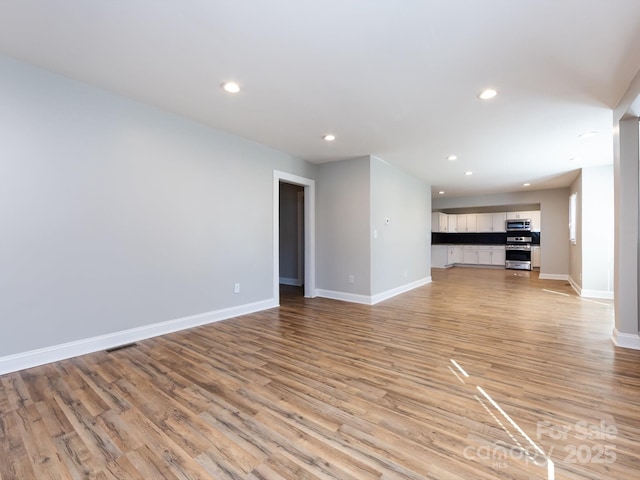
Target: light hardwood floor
482, 374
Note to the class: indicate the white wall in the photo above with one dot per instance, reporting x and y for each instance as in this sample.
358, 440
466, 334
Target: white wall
597, 231
591, 258
401, 252
116, 215
554, 211
575, 250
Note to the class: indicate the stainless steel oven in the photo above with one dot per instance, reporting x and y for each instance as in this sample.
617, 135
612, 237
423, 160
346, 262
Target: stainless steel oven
518, 253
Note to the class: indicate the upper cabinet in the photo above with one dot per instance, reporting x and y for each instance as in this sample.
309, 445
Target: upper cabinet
490, 222
498, 219
439, 222
452, 223
480, 222
484, 222
466, 222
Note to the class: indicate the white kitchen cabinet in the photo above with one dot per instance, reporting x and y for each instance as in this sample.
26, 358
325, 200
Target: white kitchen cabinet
535, 256
439, 222
484, 255
535, 220
439, 256
470, 254
461, 223
467, 222
472, 222
498, 255
490, 222
498, 219
484, 222
454, 254
491, 255
452, 221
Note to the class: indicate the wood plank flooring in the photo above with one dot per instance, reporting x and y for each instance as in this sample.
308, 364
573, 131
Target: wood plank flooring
482, 374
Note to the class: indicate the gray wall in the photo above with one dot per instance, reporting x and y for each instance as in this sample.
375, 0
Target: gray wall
117, 215
288, 236
343, 226
401, 252
627, 223
575, 251
554, 211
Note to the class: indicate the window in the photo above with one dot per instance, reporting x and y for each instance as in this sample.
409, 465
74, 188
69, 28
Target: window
572, 217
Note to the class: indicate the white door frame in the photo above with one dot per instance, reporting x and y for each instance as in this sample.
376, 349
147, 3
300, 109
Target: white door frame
309, 232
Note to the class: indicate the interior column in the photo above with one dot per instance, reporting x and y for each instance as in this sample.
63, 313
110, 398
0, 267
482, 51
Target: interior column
626, 186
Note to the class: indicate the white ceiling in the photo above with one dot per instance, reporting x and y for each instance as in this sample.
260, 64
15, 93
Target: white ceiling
394, 78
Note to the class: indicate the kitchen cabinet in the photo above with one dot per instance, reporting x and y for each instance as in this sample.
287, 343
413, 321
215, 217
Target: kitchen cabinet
535, 256
484, 222
439, 222
490, 222
491, 255
497, 220
443, 256
498, 255
467, 222
452, 222
454, 254
470, 254
535, 220
439, 256
533, 215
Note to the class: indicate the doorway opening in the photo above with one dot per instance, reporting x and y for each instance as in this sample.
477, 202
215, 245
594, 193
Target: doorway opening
293, 234
291, 239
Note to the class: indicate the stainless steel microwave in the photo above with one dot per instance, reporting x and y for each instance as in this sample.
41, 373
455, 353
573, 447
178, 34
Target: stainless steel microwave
518, 225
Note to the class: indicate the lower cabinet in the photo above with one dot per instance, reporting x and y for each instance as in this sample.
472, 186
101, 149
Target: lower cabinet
470, 254
491, 255
443, 256
439, 256
454, 254
535, 256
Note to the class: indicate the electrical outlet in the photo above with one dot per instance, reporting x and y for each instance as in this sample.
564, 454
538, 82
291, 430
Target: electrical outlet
352, 279
406, 274
236, 288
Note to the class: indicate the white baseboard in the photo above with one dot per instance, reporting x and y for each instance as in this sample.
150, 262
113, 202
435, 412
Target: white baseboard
625, 340
575, 285
41, 356
605, 294
372, 300
379, 297
597, 294
291, 281
553, 276
344, 296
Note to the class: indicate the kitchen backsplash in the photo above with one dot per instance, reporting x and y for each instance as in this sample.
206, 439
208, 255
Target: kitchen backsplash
500, 238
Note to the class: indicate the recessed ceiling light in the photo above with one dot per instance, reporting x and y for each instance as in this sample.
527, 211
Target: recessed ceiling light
441, 192
468, 172
452, 157
588, 134
526, 184
573, 159
329, 138
231, 87
487, 94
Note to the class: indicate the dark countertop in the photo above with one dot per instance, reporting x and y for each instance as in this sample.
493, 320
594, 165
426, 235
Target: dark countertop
498, 238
